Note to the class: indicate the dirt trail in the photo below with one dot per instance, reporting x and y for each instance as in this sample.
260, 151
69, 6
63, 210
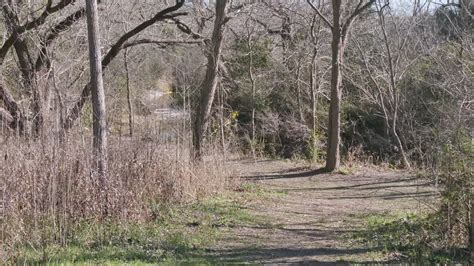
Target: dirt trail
311, 212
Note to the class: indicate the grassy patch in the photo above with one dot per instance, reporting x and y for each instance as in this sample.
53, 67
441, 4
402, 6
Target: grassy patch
253, 190
407, 237
179, 234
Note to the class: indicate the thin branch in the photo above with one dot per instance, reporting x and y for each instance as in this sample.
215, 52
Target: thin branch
326, 20
166, 13
163, 43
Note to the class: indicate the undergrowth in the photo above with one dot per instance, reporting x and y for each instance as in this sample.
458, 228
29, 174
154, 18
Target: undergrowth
183, 234
409, 237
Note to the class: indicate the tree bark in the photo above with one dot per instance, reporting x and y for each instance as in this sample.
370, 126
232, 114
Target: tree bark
334, 127
18, 122
129, 94
27, 70
210, 80
254, 91
30, 84
340, 33
471, 227
314, 97
97, 88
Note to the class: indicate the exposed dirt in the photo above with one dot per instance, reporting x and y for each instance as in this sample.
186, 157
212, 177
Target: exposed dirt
310, 212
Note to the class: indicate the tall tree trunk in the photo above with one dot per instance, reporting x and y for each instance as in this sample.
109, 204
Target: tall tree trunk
254, 91
340, 35
210, 80
31, 85
97, 89
314, 98
129, 94
222, 119
471, 220
333, 158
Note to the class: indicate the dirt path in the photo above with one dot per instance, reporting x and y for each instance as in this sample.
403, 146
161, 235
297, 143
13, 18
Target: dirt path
310, 212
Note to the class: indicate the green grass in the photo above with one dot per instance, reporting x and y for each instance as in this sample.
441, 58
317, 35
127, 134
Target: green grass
255, 191
412, 237
179, 234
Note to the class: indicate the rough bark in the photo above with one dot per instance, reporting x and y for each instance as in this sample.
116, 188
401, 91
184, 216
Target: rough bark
5, 120
97, 87
314, 98
129, 94
30, 85
209, 84
18, 122
471, 227
334, 128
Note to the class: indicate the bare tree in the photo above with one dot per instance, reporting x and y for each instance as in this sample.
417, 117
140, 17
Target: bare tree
124, 42
18, 26
209, 84
340, 28
97, 88
387, 68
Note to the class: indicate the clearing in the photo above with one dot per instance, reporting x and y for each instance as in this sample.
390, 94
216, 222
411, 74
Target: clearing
308, 215
281, 212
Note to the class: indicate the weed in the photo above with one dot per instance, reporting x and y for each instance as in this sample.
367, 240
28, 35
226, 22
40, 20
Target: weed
407, 236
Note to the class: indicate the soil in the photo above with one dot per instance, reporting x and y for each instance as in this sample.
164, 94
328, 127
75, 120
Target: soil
310, 214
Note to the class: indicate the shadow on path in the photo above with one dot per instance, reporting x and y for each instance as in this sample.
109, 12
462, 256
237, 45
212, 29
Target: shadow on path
287, 175
282, 255
367, 186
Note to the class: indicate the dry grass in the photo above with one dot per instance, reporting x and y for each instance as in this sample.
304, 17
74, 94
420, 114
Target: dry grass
47, 186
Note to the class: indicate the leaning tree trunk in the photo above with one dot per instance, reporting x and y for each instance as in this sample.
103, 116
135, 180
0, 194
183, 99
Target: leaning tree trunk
209, 85
97, 89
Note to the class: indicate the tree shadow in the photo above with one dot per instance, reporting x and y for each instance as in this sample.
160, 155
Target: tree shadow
287, 175
366, 186
390, 196
282, 255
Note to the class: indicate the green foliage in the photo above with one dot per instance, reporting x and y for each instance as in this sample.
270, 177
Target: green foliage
314, 149
415, 238
364, 127
257, 51
86, 117
450, 22
180, 234
456, 168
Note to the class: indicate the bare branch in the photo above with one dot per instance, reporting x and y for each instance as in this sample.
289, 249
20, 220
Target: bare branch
163, 43
164, 14
326, 20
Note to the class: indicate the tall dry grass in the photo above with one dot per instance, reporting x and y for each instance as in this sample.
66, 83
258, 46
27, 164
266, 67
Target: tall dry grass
47, 186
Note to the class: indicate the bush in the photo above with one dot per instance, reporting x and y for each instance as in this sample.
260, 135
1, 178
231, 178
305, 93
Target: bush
49, 189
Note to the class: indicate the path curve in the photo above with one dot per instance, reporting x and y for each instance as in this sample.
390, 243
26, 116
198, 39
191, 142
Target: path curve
310, 212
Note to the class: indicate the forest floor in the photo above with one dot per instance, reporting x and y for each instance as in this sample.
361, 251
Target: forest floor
278, 211
307, 216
